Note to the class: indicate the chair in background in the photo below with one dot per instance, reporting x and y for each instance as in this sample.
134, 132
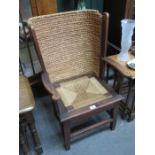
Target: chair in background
70, 46
26, 105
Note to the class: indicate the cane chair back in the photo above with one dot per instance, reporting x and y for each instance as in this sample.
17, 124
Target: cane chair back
69, 43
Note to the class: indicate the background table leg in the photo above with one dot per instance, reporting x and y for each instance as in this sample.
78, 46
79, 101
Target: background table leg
23, 141
30, 119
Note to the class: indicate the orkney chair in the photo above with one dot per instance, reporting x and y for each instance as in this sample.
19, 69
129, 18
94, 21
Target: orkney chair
71, 46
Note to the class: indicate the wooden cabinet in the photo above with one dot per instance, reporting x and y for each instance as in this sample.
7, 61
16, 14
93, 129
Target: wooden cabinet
42, 7
118, 9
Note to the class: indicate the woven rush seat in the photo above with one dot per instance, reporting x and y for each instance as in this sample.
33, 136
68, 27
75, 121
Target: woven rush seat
26, 99
81, 92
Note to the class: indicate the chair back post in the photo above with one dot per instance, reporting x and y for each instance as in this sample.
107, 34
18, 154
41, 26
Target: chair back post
104, 39
36, 46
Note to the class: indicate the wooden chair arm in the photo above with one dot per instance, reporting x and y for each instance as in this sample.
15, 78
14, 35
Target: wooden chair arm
49, 86
119, 49
113, 46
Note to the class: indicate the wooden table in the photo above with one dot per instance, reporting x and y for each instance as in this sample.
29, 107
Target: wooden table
26, 105
123, 71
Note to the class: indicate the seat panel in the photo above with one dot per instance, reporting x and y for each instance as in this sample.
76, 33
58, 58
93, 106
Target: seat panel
81, 92
26, 99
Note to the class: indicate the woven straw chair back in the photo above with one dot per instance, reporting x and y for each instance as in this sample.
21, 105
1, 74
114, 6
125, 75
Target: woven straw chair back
69, 43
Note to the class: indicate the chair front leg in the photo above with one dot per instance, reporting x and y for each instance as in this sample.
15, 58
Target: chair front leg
67, 136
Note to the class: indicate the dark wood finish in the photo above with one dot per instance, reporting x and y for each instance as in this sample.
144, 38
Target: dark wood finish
28, 117
31, 122
118, 10
104, 39
92, 128
86, 112
132, 111
89, 129
119, 79
114, 46
35, 79
114, 116
68, 115
23, 141
126, 111
66, 131
101, 123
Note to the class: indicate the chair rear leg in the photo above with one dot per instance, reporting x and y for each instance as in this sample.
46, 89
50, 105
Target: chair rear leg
114, 113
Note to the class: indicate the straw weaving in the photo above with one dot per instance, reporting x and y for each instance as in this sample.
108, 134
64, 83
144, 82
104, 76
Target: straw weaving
70, 42
81, 92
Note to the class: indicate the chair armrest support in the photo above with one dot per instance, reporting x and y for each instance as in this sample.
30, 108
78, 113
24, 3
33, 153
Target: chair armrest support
114, 46
49, 86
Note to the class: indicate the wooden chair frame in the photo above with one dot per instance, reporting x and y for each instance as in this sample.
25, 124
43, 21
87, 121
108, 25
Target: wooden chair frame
67, 118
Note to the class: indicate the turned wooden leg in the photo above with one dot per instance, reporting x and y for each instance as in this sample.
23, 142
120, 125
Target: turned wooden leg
114, 113
31, 123
132, 110
23, 141
66, 132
